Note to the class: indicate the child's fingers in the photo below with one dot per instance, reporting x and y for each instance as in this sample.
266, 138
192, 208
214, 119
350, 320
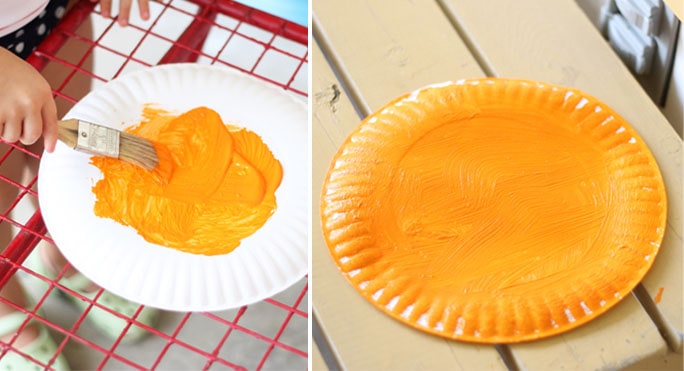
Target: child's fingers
31, 128
49, 116
106, 7
144, 6
124, 11
11, 131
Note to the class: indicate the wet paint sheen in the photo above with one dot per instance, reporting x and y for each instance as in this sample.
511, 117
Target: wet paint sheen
494, 211
214, 185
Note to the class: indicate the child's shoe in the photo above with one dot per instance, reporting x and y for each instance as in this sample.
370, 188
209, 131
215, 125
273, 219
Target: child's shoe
109, 323
42, 349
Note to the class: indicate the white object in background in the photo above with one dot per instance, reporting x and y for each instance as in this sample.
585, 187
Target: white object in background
16, 13
643, 14
635, 48
608, 10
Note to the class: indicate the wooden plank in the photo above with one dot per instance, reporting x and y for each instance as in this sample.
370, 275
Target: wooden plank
553, 41
317, 362
620, 337
674, 101
361, 336
390, 47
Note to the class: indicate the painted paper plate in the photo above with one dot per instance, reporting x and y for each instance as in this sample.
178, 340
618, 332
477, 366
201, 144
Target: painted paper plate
494, 210
118, 259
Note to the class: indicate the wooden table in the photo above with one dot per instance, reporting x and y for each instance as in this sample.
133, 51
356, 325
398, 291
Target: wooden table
365, 53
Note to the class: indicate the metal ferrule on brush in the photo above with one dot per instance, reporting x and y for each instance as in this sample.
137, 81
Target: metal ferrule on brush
98, 139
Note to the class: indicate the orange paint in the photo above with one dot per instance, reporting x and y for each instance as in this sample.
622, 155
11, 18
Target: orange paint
214, 184
494, 211
659, 295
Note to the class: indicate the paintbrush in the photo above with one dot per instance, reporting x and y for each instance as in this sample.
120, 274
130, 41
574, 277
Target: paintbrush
103, 141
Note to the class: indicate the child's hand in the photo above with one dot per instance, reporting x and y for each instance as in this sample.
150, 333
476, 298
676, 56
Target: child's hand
27, 108
124, 9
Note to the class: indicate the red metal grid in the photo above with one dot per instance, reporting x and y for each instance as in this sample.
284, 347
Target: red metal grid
279, 344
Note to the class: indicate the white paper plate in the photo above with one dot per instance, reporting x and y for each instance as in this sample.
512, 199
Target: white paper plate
118, 259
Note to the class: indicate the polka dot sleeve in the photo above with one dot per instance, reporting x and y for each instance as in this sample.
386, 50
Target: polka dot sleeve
25, 40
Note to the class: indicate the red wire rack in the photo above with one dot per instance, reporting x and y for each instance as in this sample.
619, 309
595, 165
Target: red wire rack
271, 334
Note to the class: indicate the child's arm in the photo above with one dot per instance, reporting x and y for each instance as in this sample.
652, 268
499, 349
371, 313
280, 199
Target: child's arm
27, 108
124, 9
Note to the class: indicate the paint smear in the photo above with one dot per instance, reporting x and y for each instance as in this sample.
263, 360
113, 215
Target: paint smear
214, 185
500, 211
659, 295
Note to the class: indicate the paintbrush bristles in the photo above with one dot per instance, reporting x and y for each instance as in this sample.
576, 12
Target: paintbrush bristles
70, 124
137, 150
131, 148
67, 131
